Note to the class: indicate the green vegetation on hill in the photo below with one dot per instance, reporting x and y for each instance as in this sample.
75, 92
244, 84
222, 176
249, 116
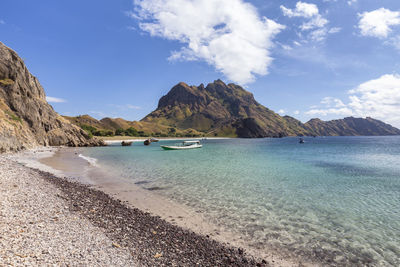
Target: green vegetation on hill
108, 127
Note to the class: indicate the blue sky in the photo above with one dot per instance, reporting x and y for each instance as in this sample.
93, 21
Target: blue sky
116, 58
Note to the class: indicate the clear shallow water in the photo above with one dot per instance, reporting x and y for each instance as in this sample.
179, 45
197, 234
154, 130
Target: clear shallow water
333, 199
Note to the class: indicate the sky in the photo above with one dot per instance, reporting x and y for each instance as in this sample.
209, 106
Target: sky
115, 58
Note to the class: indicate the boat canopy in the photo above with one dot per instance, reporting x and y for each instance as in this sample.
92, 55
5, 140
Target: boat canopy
192, 142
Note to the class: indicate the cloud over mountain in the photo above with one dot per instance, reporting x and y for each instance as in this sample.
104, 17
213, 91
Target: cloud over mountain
378, 98
227, 34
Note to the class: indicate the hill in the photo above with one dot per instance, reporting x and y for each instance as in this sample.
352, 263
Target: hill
350, 126
26, 119
119, 126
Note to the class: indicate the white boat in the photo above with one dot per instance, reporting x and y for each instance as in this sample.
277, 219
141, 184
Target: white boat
184, 145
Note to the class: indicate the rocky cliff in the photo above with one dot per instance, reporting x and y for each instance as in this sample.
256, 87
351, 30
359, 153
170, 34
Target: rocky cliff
221, 109
26, 119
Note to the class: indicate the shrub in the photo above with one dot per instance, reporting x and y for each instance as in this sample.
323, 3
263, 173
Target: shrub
89, 129
6, 81
13, 116
104, 133
131, 132
120, 131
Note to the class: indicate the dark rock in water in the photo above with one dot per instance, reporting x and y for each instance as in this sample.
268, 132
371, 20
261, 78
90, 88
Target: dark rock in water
142, 182
125, 143
155, 188
26, 119
147, 142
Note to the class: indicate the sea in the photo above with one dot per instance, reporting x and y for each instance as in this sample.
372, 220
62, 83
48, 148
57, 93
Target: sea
335, 200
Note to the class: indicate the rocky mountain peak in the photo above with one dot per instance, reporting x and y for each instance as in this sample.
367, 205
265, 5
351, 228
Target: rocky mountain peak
182, 94
26, 119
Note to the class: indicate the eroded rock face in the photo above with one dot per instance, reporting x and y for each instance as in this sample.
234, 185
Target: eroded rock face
26, 119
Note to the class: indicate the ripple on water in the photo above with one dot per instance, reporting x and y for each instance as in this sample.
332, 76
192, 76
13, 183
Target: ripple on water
335, 200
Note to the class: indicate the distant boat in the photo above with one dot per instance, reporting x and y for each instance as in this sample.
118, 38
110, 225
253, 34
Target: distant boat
153, 140
184, 145
301, 141
123, 143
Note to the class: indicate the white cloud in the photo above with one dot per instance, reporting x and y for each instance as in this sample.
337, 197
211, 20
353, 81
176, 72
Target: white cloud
129, 106
315, 25
296, 112
124, 107
394, 41
302, 10
306, 10
378, 23
379, 98
351, 2
318, 35
51, 99
281, 111
332, 102
227, 34
334, 30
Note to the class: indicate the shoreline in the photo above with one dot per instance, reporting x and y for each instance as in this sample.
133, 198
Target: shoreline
150, 240
135, 197
118, 139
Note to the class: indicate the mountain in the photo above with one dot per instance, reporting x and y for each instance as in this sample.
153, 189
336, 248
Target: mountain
221, 109
26, 119
350, 126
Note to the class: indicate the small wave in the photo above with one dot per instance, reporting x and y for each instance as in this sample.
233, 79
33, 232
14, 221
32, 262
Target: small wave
92, 161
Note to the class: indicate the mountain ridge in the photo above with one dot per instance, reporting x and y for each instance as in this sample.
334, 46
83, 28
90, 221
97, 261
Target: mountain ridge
228, 110
231, 106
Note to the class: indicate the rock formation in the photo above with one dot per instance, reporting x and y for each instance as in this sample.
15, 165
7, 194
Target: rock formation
26, 119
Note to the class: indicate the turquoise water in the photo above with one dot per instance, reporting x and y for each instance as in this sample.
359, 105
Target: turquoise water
335, 199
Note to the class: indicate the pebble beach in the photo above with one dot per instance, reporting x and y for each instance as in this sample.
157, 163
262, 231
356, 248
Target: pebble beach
49, 220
